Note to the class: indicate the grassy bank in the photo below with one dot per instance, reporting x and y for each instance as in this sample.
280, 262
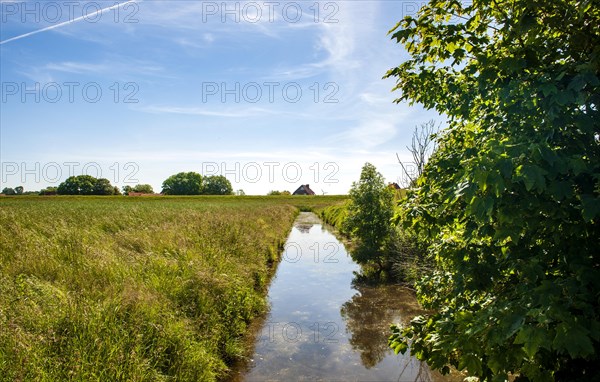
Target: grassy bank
117, 288
335, 214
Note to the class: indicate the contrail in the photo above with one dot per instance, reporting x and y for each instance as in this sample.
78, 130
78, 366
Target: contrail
88, 15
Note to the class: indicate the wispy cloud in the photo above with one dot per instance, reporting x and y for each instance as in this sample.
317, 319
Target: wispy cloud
90, 15
367, 135
77, 67
115, 65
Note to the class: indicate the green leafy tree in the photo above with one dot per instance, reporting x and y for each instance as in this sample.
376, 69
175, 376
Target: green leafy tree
102, 186
85, 185
9, 191
369, 213
510, 201
77, 185
183, 183
19, 190
143, 188
127, 189
216, 185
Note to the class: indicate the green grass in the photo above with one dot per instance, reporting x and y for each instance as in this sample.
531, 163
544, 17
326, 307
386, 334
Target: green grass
135, 289
335, 214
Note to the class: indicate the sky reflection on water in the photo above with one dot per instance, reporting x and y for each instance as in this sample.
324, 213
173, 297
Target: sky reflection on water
322, 326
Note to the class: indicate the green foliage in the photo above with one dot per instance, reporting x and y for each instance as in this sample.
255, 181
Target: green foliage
408, 256
192, 183
216, 185
183, 183
404, 251
368, 217
143, 188
510, 200
85, 185
335, 215
48, 191
9, 191
103, 187
77, 185
275, 193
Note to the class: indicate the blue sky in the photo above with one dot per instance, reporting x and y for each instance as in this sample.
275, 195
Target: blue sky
270, 94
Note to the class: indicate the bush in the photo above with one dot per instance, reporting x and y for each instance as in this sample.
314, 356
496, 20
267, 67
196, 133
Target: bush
510, 202
369, 217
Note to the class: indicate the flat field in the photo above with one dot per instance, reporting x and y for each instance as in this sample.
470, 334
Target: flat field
135, 288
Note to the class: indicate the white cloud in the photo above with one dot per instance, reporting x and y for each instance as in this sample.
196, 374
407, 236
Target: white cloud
368, 135
106, 67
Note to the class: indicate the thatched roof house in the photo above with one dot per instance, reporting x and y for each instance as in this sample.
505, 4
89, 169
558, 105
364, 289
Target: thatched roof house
304, 190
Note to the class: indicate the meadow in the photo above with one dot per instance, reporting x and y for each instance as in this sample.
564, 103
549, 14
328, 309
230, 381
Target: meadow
136, 288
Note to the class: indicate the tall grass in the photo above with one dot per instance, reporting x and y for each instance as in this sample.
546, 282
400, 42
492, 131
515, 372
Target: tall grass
134, 289
335, 215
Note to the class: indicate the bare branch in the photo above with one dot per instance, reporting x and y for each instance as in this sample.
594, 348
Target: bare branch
422, 146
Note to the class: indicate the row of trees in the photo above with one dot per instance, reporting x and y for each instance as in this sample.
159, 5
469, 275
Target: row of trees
82, 185
183, 183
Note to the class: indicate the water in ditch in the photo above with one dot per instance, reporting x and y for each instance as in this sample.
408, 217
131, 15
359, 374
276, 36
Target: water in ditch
323, 326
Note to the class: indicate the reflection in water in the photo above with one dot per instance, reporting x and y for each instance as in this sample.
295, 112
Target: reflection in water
304, 228
368, 315
305, 338
305, 221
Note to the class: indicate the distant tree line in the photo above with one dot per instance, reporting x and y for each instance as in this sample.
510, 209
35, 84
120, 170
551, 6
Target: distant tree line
138, 188
13, 191
183, 183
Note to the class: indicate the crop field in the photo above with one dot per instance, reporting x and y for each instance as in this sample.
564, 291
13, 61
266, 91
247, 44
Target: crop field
135, 288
